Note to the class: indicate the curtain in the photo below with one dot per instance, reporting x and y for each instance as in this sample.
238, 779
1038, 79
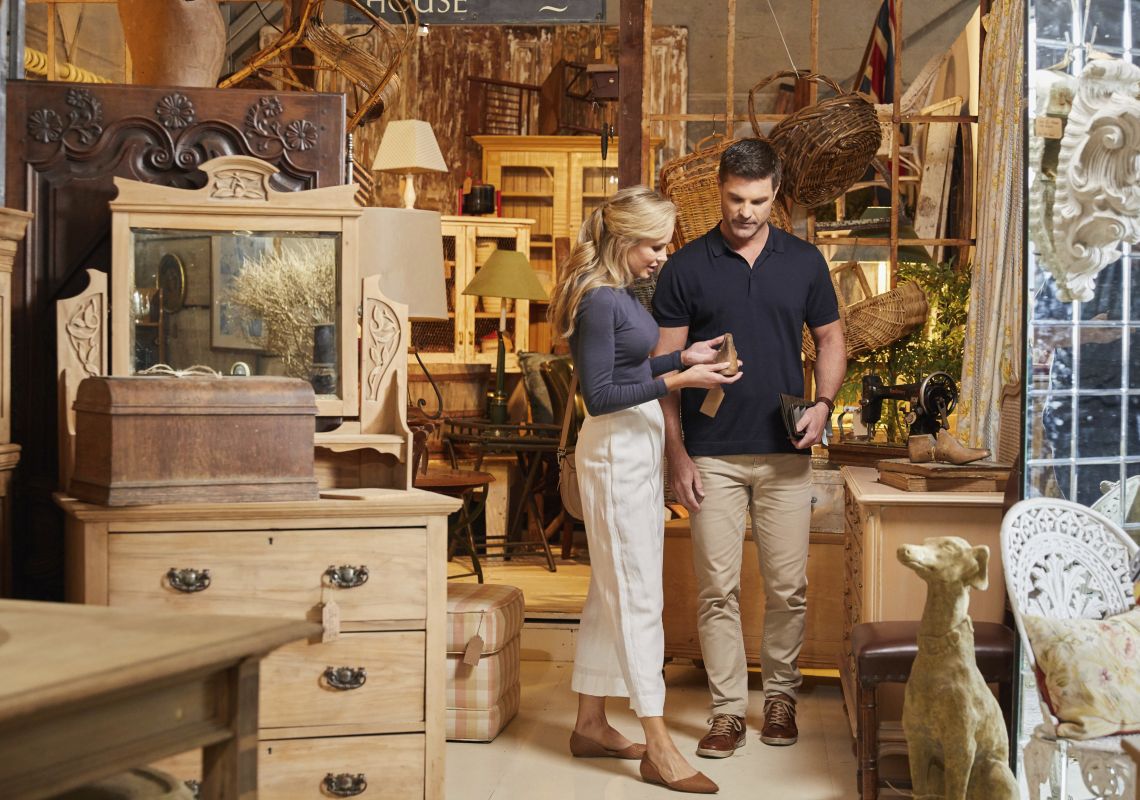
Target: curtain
993, 345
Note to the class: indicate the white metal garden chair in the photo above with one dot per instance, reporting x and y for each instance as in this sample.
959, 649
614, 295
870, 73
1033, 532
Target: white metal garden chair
1064, 561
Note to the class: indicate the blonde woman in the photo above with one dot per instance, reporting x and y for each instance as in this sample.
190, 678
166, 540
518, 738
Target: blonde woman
621, 641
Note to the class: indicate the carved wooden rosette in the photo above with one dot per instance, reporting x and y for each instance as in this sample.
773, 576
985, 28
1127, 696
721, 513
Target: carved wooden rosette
81, 352
172, 138
1097, 202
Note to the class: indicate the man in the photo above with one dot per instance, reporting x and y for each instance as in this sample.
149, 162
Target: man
751, 279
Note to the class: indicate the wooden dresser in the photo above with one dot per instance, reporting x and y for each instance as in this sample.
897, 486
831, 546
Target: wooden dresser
366, 709
876, 587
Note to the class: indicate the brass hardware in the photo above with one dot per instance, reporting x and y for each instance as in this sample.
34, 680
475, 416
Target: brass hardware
346, 576
345, 678
344, 784
188, 580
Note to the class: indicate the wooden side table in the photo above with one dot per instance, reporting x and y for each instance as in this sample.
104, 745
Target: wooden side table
89, 691
471, 487
529, 444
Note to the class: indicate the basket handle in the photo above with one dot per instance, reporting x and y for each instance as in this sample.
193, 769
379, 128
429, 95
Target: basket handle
798, 74
704, 143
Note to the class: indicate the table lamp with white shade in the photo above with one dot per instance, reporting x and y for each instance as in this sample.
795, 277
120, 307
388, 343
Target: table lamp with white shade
409, 147
506, 275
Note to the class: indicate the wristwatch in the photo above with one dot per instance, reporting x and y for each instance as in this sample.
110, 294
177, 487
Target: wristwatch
830, 404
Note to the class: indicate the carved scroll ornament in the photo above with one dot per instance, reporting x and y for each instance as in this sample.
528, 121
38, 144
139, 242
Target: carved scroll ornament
174, 140
1096, 208
383, 331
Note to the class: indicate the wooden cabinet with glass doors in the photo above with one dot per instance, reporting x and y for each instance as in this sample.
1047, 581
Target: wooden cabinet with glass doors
467, 336
557, 181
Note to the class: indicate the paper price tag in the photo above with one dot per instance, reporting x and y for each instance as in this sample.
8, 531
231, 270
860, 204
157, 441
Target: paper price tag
473, 651
330, 618
1048, 127
467, 185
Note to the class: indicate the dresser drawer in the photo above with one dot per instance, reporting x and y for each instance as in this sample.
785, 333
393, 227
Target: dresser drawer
392, 767
273, 573
297, 692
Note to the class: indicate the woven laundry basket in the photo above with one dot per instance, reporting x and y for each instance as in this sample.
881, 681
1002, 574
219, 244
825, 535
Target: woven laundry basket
690, 181
826, 147
876, 321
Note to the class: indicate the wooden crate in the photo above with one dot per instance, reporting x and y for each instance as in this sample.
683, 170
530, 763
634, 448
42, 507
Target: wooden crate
143, 440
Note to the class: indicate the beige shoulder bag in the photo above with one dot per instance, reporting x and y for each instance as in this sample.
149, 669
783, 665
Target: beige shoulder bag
567, 471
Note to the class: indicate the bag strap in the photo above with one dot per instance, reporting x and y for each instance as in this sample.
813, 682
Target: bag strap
569, 415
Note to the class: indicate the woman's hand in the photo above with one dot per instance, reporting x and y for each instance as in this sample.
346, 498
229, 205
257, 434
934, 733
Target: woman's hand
702, 376
701, 352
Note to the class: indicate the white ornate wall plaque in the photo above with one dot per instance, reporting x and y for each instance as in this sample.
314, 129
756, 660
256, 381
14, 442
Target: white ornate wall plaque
1096, 204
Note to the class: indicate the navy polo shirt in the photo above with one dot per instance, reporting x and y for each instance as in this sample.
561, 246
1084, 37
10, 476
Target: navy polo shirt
711, 288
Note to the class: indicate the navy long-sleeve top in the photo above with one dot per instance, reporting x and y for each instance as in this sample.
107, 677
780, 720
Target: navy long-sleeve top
613, 336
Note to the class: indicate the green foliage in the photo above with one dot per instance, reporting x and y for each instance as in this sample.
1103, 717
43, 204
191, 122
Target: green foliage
937, 347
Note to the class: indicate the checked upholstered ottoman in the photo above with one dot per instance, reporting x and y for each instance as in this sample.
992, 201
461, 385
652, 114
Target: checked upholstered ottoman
483, 627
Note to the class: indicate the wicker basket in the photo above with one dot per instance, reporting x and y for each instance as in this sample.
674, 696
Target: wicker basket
825, 148
690, 181
877, 321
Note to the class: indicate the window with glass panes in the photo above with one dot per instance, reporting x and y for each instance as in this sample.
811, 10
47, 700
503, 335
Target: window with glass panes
1083, 371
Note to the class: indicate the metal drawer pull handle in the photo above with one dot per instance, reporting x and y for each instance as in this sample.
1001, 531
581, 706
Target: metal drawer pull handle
346, 576
188, 580
345, 678
345, 785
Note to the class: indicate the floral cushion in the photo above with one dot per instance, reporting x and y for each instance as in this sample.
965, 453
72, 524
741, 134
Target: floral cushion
1089, 672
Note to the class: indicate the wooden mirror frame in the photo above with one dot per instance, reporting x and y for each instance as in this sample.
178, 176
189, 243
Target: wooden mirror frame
238, 197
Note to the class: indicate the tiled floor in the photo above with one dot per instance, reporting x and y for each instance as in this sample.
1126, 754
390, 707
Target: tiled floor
530, 760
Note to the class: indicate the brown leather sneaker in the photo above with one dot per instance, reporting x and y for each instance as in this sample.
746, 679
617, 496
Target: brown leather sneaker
779, 721
726, 735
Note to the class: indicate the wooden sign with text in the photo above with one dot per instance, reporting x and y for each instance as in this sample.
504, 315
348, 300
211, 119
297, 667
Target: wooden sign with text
492, 12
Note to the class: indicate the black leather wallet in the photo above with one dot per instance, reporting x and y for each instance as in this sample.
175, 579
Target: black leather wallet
792, 408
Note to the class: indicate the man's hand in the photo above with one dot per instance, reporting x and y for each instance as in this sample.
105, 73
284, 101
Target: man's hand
685, 481
812, 424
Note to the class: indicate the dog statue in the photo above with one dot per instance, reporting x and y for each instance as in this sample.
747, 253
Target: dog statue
955, 735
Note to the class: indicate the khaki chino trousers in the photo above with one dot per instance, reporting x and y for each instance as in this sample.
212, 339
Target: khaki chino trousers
775, 490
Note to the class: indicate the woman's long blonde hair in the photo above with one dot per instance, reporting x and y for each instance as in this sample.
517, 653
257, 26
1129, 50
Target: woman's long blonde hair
599, 258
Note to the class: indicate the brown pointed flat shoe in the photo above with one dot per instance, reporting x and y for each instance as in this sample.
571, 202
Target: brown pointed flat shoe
694, 784
581, 747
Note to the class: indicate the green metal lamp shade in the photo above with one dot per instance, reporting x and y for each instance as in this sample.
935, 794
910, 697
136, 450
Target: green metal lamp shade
506, 274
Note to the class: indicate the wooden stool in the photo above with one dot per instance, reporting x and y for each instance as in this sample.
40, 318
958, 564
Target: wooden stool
884, 653
470, 486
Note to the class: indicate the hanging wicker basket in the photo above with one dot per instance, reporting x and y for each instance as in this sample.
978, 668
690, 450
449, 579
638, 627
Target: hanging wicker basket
825, 148
690, 181
876, 321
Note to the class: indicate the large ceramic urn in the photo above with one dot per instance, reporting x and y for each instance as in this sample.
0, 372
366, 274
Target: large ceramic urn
174, 42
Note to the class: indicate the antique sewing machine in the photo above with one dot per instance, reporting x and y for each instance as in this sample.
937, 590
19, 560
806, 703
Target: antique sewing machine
931, 400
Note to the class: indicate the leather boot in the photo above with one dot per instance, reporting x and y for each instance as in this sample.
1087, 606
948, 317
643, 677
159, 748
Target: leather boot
950, 451
920, 448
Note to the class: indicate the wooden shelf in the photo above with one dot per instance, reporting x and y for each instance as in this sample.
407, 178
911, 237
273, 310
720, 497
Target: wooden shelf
529, 195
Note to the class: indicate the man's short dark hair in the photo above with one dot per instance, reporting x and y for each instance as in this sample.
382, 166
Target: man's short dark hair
751, 159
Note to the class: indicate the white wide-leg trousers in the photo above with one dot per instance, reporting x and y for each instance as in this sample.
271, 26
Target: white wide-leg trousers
621, 641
